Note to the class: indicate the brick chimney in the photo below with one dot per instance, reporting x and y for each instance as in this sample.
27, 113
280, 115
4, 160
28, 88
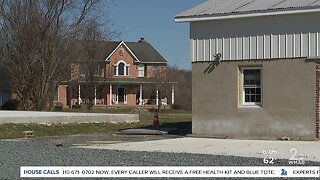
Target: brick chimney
142, 40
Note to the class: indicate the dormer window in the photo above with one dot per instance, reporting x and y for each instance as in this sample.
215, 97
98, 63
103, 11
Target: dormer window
121, 69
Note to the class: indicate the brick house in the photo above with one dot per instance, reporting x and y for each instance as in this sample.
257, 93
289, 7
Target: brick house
255, 68
124, 70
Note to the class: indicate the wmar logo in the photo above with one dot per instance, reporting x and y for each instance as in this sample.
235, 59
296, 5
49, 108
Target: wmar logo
284, 172
296, 157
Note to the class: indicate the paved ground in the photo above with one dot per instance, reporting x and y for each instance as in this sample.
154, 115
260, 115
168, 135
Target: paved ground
95, 139
39, 152
180, 144
141, 150
242, 148
150, 131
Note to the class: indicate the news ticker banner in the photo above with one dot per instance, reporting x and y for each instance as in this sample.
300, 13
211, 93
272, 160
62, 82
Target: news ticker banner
167, 171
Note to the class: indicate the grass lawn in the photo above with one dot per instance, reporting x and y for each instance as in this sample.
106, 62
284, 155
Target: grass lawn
168, 118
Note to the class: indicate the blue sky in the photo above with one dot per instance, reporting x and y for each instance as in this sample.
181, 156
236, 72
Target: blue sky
154, 20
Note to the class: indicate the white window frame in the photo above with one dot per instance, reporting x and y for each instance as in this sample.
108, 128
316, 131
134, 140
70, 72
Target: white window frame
141, 69
250, 104
126, 68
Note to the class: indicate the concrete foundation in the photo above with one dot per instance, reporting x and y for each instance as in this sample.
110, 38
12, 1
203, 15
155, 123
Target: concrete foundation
62, 117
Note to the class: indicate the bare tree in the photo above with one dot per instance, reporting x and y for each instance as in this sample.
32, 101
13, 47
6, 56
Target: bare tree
183, 88
91, 59
158, 83
37, 45
162, 85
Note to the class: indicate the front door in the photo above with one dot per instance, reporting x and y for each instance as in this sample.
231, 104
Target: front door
122, 95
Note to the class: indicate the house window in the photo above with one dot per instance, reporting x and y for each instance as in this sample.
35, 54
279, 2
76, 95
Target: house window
141, 70
56, 96
121, 69
82, 69
98, 71
251, 86
127, 70
155, 71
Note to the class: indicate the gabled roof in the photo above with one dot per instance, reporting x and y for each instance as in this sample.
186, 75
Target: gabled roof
224, 9
108, 47
143, 51
118, 45
101, 48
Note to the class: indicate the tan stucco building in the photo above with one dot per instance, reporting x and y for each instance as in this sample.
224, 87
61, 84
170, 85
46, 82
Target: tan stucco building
255, 68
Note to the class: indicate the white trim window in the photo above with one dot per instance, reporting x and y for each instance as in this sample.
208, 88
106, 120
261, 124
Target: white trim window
121, 69
141, 70
251, 86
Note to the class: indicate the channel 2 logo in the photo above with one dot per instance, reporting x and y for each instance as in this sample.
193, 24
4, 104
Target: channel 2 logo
296, 157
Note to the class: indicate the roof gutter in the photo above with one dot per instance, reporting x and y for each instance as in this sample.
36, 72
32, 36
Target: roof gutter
206, 18
142, 62
313, 59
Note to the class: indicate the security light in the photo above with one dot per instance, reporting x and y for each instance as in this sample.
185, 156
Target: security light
217, 56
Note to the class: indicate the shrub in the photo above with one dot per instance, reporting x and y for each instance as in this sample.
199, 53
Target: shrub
76, 106
58, 106
176, 106
11, 104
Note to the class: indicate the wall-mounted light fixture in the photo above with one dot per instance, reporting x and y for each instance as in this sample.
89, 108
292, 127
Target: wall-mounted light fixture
217, 57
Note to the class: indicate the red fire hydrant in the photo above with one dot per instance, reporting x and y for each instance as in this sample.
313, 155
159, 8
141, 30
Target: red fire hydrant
156, 122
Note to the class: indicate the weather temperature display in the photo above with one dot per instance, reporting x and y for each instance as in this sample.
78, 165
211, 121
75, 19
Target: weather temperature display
270, 156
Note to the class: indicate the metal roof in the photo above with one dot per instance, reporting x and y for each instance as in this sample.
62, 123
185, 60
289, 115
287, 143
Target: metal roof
223, 8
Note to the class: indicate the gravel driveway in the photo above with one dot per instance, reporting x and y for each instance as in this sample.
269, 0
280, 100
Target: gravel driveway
44, 152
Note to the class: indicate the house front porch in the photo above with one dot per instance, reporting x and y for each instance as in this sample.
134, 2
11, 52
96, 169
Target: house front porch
130, 107
119, 93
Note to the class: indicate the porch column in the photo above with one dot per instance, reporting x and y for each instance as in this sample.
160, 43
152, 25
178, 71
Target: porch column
140, 97
58, 93
157, 97
110, 95
79, 98
95, 95
70, 96
172, 95
69, 100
